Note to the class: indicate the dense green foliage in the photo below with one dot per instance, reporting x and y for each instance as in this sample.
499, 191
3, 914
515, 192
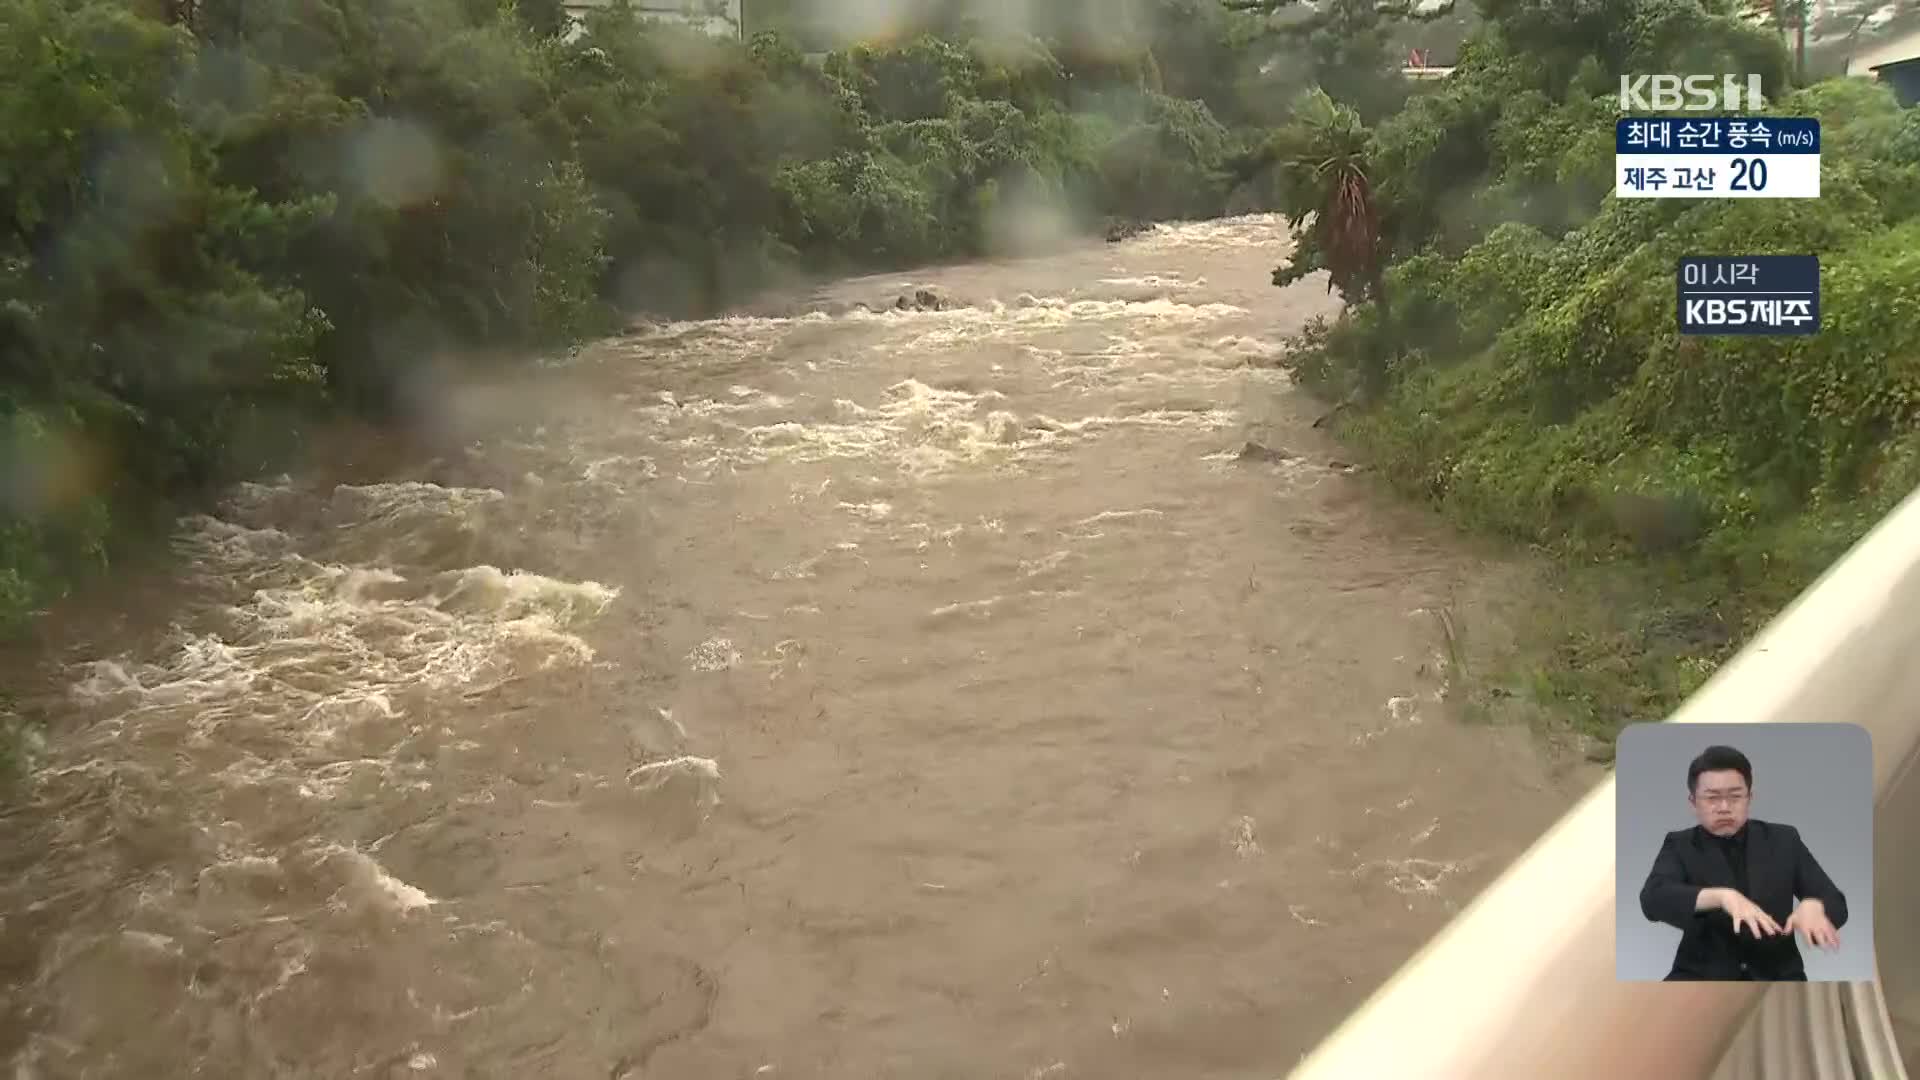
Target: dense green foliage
229, 216
1538, 387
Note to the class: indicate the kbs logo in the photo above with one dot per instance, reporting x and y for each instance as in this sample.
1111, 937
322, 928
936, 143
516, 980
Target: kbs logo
1765, 311
1689, 93
1749, 294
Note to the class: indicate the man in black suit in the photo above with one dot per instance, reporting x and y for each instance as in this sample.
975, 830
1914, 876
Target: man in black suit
1729, 884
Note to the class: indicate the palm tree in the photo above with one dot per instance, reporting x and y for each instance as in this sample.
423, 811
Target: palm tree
1323, 166
1322, 157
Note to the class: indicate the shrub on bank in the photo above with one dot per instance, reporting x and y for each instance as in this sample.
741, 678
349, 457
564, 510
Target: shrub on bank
1557, 379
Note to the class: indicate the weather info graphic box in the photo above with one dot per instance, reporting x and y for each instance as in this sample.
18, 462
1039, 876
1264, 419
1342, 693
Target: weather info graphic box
1717, 157
1749, 294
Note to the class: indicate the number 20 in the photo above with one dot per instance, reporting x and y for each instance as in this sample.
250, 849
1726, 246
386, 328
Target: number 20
1749, 174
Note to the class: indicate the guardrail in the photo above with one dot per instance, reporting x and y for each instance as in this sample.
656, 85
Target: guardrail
1521, 984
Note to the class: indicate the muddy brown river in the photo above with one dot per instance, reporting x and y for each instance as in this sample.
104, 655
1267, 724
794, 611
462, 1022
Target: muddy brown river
918, 694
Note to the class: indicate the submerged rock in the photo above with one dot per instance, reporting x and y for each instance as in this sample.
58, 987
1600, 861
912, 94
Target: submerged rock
921, 300
1257, 452
916, 300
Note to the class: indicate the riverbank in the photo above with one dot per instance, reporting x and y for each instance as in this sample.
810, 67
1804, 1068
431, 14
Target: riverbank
1528, 379
1658, 569
1685, 503
1576, 646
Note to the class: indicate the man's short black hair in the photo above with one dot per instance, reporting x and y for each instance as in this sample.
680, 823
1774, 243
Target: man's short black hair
1719, 759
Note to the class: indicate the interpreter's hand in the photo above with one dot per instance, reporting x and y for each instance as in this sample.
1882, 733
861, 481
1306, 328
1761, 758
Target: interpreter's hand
1748, 915
1810, 919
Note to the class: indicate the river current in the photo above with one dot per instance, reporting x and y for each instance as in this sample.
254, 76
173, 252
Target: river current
818, 692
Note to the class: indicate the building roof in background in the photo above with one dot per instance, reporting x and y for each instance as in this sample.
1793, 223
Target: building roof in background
1879, 52
719, 18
